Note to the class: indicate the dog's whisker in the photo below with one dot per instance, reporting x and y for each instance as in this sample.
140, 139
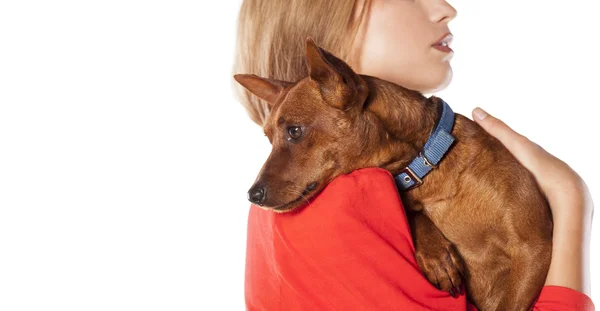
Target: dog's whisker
293, 188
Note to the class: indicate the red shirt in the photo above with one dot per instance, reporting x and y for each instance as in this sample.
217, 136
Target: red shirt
351, 249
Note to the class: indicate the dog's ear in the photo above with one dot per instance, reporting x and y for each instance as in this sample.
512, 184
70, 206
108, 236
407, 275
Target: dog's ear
341, 87
267, 89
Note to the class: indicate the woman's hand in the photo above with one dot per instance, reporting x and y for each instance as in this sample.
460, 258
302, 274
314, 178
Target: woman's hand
569, 199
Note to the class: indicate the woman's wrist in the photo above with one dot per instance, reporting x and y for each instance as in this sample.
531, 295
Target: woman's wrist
569, 196
569, 266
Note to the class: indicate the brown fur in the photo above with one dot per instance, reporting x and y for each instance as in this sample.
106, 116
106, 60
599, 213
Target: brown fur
478, 218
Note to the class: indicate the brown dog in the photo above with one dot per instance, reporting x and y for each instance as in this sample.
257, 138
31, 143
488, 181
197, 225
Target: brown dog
479, 200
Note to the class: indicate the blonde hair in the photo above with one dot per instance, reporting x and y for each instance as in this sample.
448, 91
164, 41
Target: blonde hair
271, 40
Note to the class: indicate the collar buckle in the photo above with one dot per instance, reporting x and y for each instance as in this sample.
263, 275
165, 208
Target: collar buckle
410, 175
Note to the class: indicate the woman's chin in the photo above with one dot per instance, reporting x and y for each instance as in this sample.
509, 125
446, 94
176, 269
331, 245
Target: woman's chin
426, 78
440, 82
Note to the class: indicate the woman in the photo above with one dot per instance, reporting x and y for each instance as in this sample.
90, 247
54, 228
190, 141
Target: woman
347, 257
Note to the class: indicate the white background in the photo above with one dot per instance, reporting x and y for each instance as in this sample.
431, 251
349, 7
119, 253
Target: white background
125, 160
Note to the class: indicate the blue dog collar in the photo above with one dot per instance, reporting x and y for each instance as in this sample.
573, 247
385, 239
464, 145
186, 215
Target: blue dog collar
436, 146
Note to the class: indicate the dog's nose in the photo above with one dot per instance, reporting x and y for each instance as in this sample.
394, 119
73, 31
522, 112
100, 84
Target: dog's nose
256, 195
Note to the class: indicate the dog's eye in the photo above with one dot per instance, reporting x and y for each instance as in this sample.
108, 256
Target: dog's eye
295, 132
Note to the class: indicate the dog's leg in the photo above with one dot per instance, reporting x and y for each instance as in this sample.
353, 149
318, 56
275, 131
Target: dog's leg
528, 272
438, 258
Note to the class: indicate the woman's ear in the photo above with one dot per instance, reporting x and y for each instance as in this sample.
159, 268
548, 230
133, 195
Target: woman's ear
267, 89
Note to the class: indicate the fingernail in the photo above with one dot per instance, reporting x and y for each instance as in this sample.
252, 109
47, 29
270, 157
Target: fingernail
479, 113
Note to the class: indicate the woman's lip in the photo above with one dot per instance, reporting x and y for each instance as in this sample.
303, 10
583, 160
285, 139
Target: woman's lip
443, 44
446, 38
442, 48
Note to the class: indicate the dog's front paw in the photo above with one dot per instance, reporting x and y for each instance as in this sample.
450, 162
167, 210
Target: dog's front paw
437, 257
441, 264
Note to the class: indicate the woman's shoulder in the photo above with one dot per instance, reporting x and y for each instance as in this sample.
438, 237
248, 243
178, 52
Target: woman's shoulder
363, 205
371, 183
365, 192
364, 177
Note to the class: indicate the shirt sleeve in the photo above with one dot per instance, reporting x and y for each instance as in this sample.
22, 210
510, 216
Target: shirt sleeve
558, 298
